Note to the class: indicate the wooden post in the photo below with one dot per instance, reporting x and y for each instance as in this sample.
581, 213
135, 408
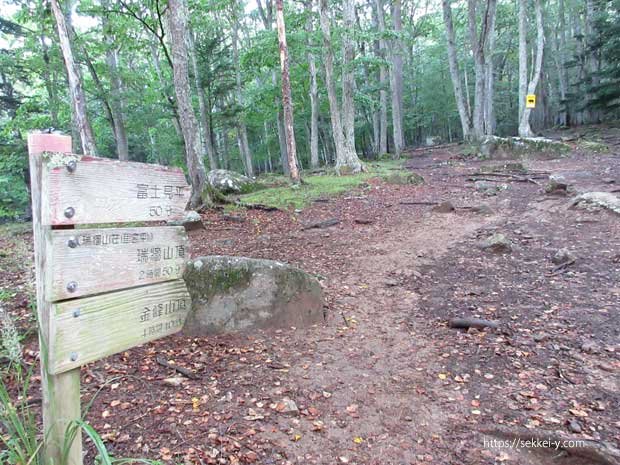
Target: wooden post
61, 393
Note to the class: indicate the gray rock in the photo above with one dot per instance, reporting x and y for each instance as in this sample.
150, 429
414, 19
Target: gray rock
489, 188
497, 243
597, 201
482, 209
557, 185
444, 207
229, 182
191, 221
562, 256
236, 293
575, 427
487, 147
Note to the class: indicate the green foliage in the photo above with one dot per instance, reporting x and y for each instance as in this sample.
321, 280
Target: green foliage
14, 195
318, 186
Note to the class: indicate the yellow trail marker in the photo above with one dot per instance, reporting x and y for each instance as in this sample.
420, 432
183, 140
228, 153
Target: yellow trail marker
530, 101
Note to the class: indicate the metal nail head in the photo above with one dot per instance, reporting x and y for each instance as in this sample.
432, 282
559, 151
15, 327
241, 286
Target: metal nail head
71, 166
69, 212
72, 286
72, 242
73, 356
76, 313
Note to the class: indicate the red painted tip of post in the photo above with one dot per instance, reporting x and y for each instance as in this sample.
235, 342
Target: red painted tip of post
39, 142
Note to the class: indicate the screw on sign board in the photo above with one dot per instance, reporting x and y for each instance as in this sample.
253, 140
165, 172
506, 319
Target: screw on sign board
530, 101
100, 290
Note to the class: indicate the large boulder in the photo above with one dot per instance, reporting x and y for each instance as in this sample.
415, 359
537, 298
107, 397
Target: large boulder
236, 293
230, 182
597, 201
504, 148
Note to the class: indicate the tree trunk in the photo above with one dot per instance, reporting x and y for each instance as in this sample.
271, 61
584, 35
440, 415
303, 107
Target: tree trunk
205, 125
489, 107
178, 23
593, 57
454, 70
560, 63
78, 98
287, 104
346, 158
314, 95
396, 78
380, 20
480, 52
348, 77
116, 88
243, 132
524, 124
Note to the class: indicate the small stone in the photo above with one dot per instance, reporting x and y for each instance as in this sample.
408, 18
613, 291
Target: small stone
176, 381
575, 427
590, 347
540, 337
482, 209
287, 407
489, 188
608, 180
191, 221
497, 243
444, 207
562, 256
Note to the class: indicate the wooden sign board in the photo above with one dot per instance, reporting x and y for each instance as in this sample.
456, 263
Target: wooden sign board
85, 330
88, 190
530, 101
90, 261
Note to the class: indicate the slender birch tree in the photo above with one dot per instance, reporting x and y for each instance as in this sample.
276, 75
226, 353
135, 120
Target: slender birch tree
287, 104
526, 87
76, 90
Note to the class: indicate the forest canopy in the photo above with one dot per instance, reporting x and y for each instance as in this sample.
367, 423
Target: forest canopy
399, 74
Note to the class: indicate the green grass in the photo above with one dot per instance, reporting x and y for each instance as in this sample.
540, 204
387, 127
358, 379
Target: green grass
280, 194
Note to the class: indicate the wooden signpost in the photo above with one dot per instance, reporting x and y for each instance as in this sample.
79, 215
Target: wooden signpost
100, 290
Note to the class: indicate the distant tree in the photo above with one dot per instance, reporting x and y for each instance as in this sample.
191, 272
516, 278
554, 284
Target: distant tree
606, 83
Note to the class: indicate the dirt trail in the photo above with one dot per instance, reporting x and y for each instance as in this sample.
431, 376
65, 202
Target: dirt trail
385, 381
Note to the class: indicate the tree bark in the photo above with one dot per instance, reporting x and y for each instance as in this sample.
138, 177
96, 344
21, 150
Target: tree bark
454, 70
178, 23
314, 95
205, 126
116, 88
524, 124
396, 79
348, 78
78, 98
287, 104
244, 147
479, 46
380, 20
346, 158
